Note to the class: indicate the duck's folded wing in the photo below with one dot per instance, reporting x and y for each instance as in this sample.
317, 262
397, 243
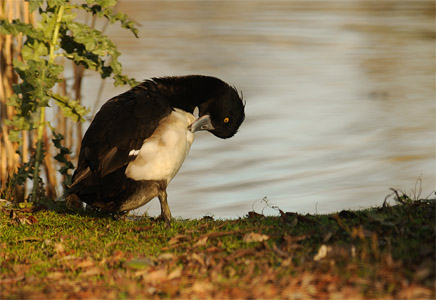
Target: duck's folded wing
118, 130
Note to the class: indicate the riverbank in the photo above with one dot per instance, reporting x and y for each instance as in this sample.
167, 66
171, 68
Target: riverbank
382, 252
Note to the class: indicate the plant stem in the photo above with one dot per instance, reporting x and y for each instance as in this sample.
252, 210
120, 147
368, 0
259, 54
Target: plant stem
41, 125
38, 154
56, 34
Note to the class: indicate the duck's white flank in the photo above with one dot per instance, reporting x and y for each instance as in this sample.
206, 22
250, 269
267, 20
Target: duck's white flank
163, 153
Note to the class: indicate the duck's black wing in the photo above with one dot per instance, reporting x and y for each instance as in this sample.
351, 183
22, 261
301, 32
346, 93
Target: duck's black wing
121, 125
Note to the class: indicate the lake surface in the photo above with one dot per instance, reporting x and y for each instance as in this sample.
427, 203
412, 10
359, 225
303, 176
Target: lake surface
340, 99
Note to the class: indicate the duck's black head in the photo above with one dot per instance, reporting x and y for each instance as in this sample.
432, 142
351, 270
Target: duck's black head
222, 113
221, 110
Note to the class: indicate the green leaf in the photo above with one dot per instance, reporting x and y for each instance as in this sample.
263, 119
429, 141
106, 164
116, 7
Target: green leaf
61, 156
18, 64
103, 3
91, 48
70, 108
34, 4
47, 24
14, 136
125, 22
34, 50
104, 11
68, 16
54, 3
93, 40
17, 27
116, 66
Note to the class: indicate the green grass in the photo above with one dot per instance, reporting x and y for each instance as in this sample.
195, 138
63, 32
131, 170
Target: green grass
385, 252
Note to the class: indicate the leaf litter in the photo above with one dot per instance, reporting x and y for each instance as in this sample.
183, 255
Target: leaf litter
380, 253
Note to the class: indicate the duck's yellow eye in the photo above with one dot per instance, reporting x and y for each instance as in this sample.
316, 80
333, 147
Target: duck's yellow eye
226, 120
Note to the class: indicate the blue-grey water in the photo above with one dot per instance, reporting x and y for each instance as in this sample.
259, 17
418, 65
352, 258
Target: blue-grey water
340, 99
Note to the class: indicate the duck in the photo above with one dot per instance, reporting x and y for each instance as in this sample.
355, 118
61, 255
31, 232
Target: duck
138, 140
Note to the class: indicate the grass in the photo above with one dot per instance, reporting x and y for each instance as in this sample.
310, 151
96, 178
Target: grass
384, 252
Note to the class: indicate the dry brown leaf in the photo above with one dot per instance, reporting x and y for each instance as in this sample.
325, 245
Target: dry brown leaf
114, 243
68, 257
239, 253
59, 248
118, 255
155, 276
85, 264
176, 239
20, 269
91, 272
166, 256
23, 220
12, 280
322, 252
201, 242
176, 273
197, 258
415, 292
255, 237
202, 287
32, 219
213, 249
55, 275
279, 251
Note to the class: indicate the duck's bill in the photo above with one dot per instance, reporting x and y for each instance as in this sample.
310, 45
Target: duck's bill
202, 123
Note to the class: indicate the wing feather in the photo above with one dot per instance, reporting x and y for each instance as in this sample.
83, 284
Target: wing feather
121, 125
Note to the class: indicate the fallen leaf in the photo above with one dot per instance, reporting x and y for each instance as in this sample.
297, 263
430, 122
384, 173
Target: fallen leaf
201, 242
213, 249
55, 275
176, 239
322, 253
415, 292
142, 229
197, 258
23, 220
202, 287
166, 256
68, 257
114, 243
85, 264
327, 236
155, 276
279, 251
231, 272
32, 219
12, 280
59, 248
20, 268
118, 255
239, 253
140, 263
255, 237
91, 272
176, 273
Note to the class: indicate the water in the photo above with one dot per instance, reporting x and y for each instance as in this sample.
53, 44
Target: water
340, 99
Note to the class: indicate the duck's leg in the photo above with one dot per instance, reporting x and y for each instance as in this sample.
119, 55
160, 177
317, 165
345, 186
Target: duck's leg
165, 209
121, 215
